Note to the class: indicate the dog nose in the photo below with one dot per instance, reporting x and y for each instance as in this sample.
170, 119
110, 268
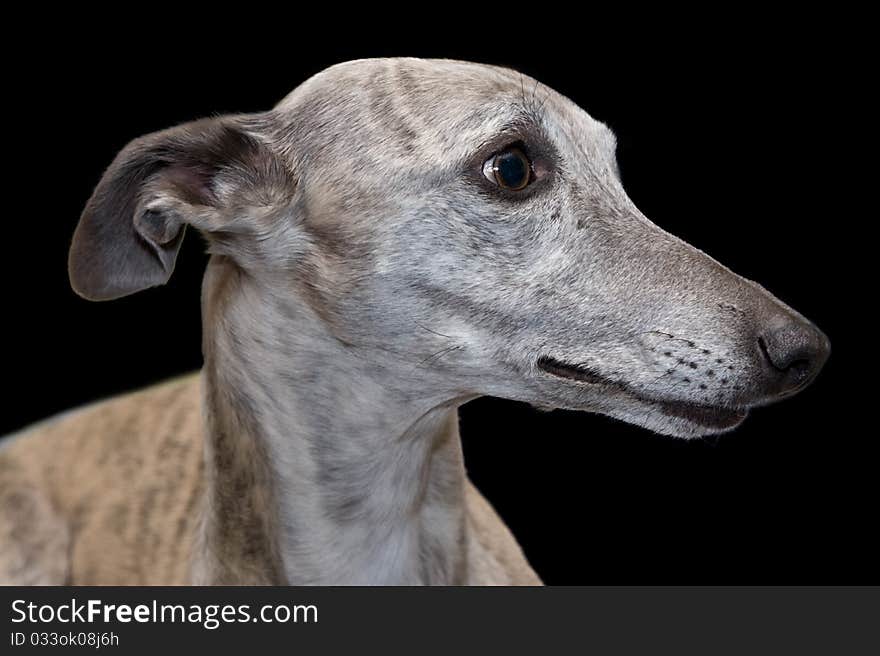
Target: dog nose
795, 351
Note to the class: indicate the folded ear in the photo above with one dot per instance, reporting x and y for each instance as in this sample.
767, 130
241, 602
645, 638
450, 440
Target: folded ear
203, 174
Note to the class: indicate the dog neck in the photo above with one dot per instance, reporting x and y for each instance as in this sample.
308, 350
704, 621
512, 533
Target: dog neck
319, 470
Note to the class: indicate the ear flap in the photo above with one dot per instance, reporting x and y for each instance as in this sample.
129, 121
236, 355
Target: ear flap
131, 229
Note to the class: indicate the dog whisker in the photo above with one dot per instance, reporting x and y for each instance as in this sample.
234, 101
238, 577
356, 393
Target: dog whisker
438, 355
432, 331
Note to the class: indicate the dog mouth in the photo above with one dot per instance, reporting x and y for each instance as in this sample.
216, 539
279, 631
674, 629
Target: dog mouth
709, 416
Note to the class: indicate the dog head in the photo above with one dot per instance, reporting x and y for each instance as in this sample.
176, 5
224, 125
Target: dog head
469, 222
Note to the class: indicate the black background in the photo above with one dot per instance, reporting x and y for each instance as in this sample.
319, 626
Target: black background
733, 141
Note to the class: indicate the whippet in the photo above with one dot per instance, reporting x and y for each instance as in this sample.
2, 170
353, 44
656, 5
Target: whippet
394, 238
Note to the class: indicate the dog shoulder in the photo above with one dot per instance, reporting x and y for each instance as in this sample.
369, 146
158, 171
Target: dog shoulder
103, 424
494, 556
34, 538
120, 470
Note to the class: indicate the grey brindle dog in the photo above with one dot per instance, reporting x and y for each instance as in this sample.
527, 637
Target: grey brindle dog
395, 238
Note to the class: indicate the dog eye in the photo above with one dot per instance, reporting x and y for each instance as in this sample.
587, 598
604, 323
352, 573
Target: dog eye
510, 169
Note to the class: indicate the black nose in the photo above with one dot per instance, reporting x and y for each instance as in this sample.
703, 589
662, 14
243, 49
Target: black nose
795, 351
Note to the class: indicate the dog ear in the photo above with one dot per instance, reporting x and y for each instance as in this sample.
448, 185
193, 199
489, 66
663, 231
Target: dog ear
205, 174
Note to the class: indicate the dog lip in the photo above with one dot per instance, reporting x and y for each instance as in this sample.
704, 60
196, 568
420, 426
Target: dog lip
710, 416
573, 371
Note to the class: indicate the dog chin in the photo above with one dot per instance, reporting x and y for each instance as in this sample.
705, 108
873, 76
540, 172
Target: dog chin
670, 418
683, 420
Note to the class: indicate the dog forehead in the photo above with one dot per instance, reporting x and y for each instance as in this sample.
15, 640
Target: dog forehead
425, 86
428, 107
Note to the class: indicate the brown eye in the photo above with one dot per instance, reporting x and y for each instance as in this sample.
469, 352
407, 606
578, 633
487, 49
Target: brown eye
510, 169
